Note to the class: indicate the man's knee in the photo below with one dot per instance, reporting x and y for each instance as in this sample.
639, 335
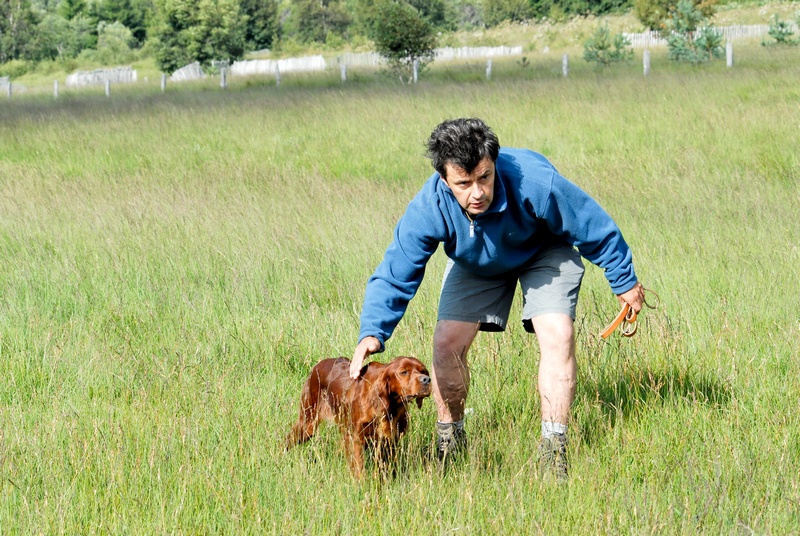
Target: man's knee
556, 331
451, 340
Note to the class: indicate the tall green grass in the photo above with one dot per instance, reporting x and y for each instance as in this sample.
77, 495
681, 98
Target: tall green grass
171, 266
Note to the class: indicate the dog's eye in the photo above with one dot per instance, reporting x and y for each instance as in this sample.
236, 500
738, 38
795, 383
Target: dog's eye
403, 373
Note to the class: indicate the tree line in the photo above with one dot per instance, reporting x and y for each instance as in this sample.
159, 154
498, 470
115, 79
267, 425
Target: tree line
178, 32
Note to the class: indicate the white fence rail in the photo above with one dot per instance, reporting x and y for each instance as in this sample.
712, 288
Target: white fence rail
116, 75
251, 67
729, 33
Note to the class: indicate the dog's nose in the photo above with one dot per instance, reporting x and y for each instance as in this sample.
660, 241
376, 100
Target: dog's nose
425, 380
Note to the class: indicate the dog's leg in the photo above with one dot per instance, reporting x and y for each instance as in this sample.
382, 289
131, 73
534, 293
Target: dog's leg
354, 448
308, 420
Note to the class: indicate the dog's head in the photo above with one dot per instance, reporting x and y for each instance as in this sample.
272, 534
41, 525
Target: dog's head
406, 379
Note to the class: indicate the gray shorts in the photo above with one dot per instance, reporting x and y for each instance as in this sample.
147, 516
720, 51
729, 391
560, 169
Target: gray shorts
549, 284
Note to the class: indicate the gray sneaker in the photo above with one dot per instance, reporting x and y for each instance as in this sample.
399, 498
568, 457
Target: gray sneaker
451, 439
553, 457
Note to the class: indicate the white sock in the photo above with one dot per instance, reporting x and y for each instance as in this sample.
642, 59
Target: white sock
550, 429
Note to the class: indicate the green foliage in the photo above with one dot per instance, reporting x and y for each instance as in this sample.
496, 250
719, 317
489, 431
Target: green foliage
498, 11
263, 27
17, 30
114, 45
69, 9
59, 38
655, 14
781, 31
130, 13
403, 37
198, 30
14, 68
438, 13
604, 50
314, 20
468, 14
690, 38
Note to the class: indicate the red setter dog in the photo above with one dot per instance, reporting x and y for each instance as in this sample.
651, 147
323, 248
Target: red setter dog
372, 412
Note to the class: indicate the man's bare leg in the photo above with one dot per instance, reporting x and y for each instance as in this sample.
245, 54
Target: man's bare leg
557, 381
451, 341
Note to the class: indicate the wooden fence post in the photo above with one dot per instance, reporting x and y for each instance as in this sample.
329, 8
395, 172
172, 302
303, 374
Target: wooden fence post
55, 89
344, 73
277, 75
729, 53
8, 89
416, 70
646, 61
565, 65
489, 69
163, 82
108, 88
223, 78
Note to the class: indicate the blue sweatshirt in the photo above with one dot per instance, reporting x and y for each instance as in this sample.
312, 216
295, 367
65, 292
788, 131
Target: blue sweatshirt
534, 207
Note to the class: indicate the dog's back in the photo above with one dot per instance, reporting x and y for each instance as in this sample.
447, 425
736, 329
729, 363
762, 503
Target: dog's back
322, 397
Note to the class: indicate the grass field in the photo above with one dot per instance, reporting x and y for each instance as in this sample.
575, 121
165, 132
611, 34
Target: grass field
171, 266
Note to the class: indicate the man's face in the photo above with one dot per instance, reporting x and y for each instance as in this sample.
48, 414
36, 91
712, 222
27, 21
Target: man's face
474, 191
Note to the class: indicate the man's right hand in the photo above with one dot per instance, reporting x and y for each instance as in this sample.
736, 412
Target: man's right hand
367, 347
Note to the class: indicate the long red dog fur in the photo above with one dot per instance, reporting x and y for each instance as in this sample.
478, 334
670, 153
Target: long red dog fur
372, 411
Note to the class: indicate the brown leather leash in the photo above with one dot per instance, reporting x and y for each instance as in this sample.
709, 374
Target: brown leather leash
626, 319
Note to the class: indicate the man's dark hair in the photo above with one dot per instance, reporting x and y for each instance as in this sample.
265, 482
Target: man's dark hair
463, 143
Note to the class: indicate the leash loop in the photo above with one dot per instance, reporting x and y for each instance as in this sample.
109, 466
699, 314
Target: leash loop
626, 318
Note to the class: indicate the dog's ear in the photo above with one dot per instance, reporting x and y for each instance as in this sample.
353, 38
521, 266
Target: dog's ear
381, 390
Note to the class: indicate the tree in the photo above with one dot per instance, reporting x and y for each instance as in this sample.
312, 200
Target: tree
114, 42
69, 9
604, 50
403, 37
17, 26
497, 11
59, 38
198, 30
781, 31
315, 20
655, 14
437, 13
130, 13
263, 27
690, 37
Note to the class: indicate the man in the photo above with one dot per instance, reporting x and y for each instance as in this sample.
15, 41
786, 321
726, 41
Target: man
505, 217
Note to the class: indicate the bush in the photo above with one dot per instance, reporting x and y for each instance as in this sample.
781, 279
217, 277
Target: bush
14, 68
497, 11
655, 14
403, 37
690, 37
604, 50
781, 31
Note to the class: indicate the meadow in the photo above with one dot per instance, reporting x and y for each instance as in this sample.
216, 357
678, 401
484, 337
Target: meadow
172, 265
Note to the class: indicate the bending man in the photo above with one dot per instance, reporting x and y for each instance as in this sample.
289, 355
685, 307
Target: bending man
505, 217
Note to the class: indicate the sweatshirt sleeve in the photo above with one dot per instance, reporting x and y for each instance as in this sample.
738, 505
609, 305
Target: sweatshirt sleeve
574, 215
399, 275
